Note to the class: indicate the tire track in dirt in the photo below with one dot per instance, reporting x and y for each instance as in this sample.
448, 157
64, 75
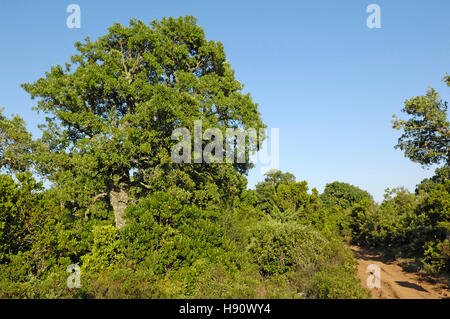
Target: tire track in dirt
395, 282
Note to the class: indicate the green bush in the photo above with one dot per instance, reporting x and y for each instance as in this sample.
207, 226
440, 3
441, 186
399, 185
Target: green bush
273, 245
106, 250
307, 260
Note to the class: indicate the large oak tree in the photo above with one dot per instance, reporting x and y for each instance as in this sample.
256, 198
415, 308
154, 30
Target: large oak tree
111, 112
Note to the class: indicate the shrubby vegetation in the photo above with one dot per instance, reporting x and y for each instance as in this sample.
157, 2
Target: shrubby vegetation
410, 225
141, 226
171, 248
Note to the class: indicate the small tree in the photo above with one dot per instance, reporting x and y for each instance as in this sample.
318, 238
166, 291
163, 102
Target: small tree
266, 190
426, 135
343, 195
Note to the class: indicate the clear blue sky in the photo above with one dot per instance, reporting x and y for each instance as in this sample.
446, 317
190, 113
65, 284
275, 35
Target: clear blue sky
329, 83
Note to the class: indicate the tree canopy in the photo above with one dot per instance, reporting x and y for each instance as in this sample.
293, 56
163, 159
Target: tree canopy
426, 135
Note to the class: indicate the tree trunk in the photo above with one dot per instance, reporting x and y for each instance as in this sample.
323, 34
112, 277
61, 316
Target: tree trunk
119, 199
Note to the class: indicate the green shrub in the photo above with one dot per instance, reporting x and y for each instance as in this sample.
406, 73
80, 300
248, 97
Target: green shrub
106, 250
273, 245
335, 283
437, 256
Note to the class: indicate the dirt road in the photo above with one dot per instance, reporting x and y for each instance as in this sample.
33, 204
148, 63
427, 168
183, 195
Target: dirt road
395, 283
